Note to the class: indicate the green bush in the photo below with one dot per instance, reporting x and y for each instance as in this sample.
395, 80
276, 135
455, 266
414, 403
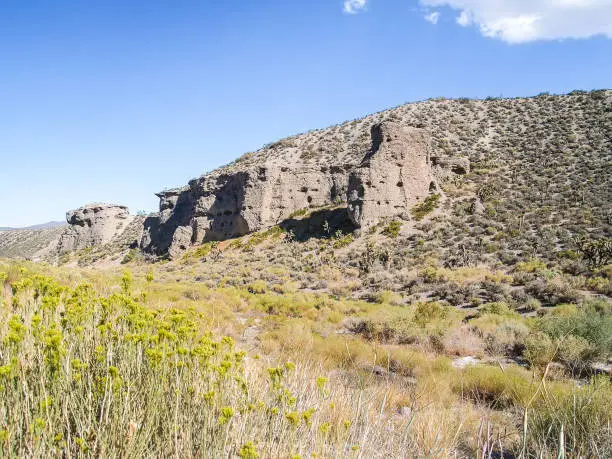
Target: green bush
539, 350
532, 305
427, 312
426, 207
532, 266
393, 229
258, 287
342, 241
130, 256
592, 322
500, 308
576, 353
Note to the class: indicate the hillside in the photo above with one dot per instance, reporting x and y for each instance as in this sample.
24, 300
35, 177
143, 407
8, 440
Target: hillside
52, 224
29, 243
516, 179
538, 162
434, 280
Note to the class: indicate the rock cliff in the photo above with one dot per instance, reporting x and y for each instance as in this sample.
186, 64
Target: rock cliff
394, 174
218, 207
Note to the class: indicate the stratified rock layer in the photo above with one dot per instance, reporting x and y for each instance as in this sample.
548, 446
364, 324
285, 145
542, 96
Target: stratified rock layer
93, 225
394, 176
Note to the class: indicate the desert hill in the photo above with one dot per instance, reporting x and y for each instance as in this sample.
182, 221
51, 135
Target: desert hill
511, 179
432, 280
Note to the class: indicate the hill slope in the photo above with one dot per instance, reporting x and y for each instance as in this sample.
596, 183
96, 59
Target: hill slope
539, 166
474, 321
29, 243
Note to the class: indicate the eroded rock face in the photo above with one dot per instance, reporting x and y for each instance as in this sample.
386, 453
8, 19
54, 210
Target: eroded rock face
92, 225
394, 176
222, 206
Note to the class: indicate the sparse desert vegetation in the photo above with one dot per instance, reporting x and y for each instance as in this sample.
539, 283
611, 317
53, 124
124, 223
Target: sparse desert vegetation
476, 324
152, 361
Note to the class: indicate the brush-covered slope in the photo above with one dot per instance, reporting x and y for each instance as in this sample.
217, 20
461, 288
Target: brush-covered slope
540, 171
29, 243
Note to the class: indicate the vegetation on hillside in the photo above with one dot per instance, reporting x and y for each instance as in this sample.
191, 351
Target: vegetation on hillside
478, 325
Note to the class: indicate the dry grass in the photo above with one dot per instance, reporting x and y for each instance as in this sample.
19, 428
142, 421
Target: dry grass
136, 364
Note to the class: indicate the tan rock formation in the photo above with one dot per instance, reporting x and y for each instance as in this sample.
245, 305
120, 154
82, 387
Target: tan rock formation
92, 225
217, 207
394, 176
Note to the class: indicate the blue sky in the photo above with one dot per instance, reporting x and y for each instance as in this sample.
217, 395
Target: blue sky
114, 100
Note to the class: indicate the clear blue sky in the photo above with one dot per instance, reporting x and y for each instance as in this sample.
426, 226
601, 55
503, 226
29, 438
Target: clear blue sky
115, 100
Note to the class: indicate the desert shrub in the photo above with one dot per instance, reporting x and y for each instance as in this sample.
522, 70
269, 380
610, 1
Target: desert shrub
417, 323
383, 297
553, 291
540, 350
532, 266
393, 229
592, 322
507, 339
203, 251
464, 341
431, 274
494, 292
258, 238
130, 256
496, 387
428, 312
400, 330
429, 204
456, 294
600, 285
576, 353
498, 307
258, 287
341, 241
532, 305
285, 305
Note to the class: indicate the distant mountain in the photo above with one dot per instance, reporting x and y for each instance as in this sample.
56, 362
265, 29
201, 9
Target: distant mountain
53, 224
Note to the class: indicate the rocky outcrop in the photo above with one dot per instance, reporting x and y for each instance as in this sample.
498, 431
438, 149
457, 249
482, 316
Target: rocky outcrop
394, 176
93, 225
222, 206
